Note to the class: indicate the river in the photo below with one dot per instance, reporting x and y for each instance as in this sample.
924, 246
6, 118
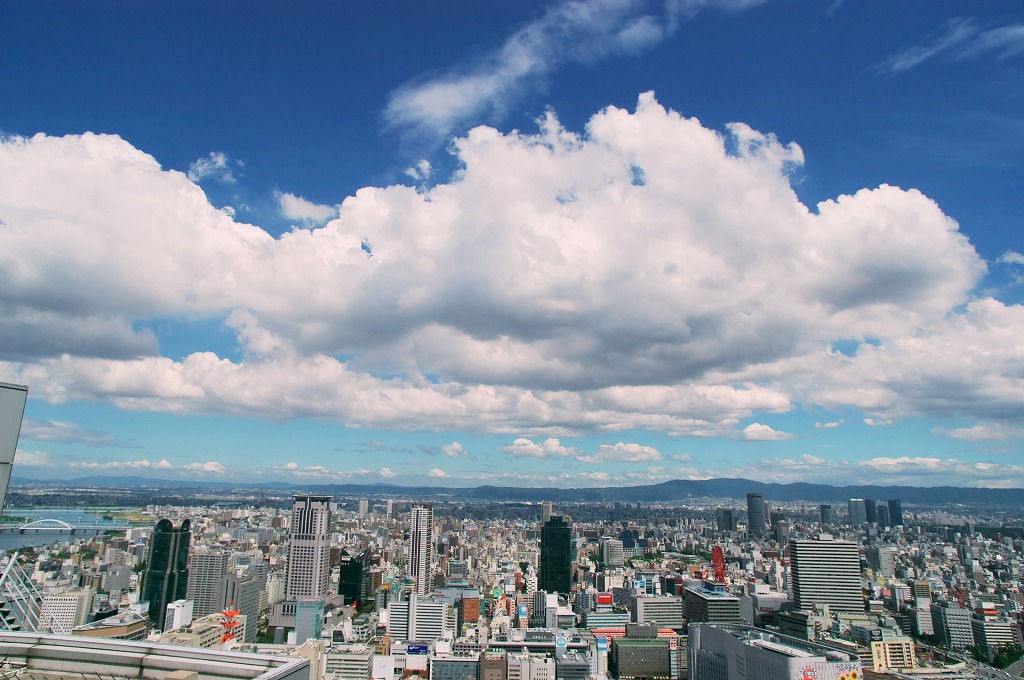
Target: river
13, 539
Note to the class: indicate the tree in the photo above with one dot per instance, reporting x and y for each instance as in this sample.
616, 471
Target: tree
1007, 655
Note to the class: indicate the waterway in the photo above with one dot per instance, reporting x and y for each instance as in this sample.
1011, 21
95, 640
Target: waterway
13, 539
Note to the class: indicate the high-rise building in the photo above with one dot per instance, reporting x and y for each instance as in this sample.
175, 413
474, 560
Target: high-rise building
547, 508
421, 547
726, 519
206, 567
166, 577
611, 553
952, 624
420, 620
895, 512
755, 513
65, 609
871, 510
241, 592
711, 602
12, 409
309, 548
555, 556
354, 576
883, 515
826, 572
364, 507
665, 611
858, 514
825, 515
882, 559
993, 630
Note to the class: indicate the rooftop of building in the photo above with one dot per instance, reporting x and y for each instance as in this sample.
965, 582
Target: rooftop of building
640, 642
123, 619
52, 657
783, 644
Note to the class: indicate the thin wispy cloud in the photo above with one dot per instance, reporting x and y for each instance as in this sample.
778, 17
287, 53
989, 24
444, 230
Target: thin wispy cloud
576, 31
61, 432
958, 39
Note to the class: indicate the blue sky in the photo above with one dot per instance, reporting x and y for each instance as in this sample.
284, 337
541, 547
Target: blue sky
569, 243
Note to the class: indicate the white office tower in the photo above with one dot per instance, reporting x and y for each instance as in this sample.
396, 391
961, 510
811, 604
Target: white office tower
722, 651
275, 588
611, 553
309, 549
66, 609
526, 666
421, 547
951, 623
179, 615
826, 572
420, 620
364, 508
206, 567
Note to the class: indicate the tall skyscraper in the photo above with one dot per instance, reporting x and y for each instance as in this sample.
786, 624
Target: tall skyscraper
12, 409
546, 510
205, 570
421, 547
826, 571
166, 577
871, 511
883, 515
555, 556
241, 592
755, 513
309, 548
895, 512
858, 514
825, 512
726, 519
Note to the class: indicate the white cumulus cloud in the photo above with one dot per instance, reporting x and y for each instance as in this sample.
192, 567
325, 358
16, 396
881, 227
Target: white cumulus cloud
551, 447
454, 450
623, 452
216, 165
648, 273
297, 208
756, 432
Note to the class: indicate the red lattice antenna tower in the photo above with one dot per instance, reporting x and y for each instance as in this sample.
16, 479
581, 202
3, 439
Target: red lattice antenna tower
228, 622
718, 563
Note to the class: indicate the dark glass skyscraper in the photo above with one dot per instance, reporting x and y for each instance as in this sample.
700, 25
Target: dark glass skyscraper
871, 510
555, 556
755, 513
166, 577
895, 512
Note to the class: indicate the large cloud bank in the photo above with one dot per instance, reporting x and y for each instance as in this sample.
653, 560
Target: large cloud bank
648, 273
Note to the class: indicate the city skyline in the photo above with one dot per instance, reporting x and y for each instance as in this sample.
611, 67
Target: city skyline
566, 244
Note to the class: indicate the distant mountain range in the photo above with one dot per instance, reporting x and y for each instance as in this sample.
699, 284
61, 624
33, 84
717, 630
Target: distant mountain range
666, 492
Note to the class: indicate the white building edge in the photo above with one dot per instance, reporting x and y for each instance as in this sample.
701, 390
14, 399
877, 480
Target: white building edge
88, 658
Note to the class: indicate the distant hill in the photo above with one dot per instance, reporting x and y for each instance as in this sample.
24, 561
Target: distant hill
666, 492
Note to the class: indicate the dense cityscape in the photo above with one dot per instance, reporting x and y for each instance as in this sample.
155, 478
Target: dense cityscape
391, 587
